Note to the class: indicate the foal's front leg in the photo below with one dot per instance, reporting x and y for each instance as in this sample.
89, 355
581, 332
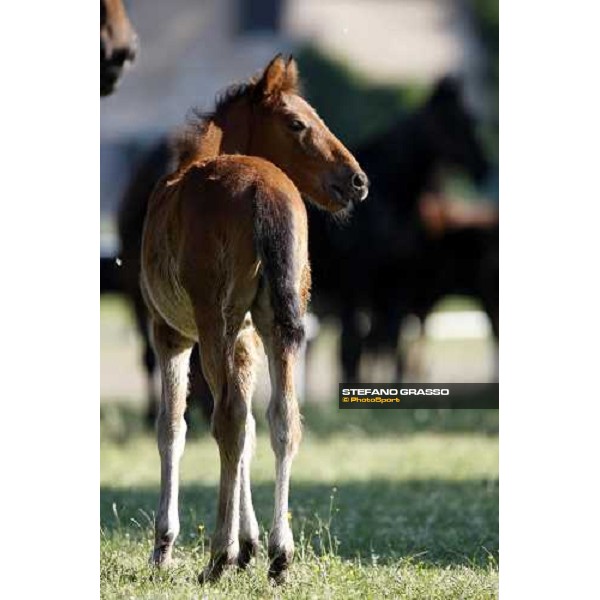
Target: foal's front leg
173, 353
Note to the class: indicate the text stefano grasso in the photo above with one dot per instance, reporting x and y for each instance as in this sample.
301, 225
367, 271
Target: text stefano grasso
396, 391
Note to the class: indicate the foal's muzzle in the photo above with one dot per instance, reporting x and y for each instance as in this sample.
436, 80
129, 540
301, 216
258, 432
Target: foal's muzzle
349, 187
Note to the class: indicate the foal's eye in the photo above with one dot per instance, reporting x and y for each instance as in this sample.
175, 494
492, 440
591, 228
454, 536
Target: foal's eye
297, 125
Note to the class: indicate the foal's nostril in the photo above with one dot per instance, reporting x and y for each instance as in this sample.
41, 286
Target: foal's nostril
359, 181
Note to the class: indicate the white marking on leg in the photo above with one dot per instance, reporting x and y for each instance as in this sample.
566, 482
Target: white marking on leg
248, 523
171, 429
284, 422
281, 533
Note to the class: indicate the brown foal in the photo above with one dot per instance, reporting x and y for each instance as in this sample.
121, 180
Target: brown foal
224, 258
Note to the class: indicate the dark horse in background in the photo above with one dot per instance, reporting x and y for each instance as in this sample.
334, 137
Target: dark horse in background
122, 275
391, 261
157, 163
118, 44
386, 262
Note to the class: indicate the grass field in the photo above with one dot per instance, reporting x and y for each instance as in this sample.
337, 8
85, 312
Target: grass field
384, 504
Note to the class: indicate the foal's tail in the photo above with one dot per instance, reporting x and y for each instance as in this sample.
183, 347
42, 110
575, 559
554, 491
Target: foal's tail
275, 238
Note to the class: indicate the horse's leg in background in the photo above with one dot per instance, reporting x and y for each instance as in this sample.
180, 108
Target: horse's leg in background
229, 422
199, 389
173, 354
412, 354
386, 319
351, 342
302, 379
488, 289
312, 326
488, 297
402, 360
489, 300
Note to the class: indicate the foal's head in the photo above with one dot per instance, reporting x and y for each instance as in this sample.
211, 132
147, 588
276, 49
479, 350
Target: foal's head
118, 44
286, 130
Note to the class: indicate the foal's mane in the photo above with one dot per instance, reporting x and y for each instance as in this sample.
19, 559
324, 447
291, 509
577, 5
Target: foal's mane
187, 143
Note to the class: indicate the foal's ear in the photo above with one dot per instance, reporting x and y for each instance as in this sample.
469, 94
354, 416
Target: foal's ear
291, 75
279, 76
273, 77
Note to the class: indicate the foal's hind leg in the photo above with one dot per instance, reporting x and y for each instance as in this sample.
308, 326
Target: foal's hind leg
173, 352
246, 349
285, 427
283, 414
231, 388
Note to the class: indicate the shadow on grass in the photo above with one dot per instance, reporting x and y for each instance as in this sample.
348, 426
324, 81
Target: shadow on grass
121, 421
437, 522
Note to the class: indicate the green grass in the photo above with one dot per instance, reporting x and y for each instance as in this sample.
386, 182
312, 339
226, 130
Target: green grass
403, 506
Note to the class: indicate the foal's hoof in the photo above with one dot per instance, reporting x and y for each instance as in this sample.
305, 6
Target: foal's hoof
280, 562
248, 551
215, 568
162, 557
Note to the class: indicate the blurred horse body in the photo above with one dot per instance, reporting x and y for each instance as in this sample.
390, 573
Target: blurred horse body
225, 237
118, 44
155, 164
386, 262
130, 223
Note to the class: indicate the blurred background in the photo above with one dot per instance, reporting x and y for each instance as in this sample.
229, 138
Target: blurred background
366, 65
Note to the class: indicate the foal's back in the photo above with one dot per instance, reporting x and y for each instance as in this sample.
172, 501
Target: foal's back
204, 222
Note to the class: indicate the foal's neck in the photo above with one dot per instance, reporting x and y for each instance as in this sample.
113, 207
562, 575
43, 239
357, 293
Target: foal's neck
226, 132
